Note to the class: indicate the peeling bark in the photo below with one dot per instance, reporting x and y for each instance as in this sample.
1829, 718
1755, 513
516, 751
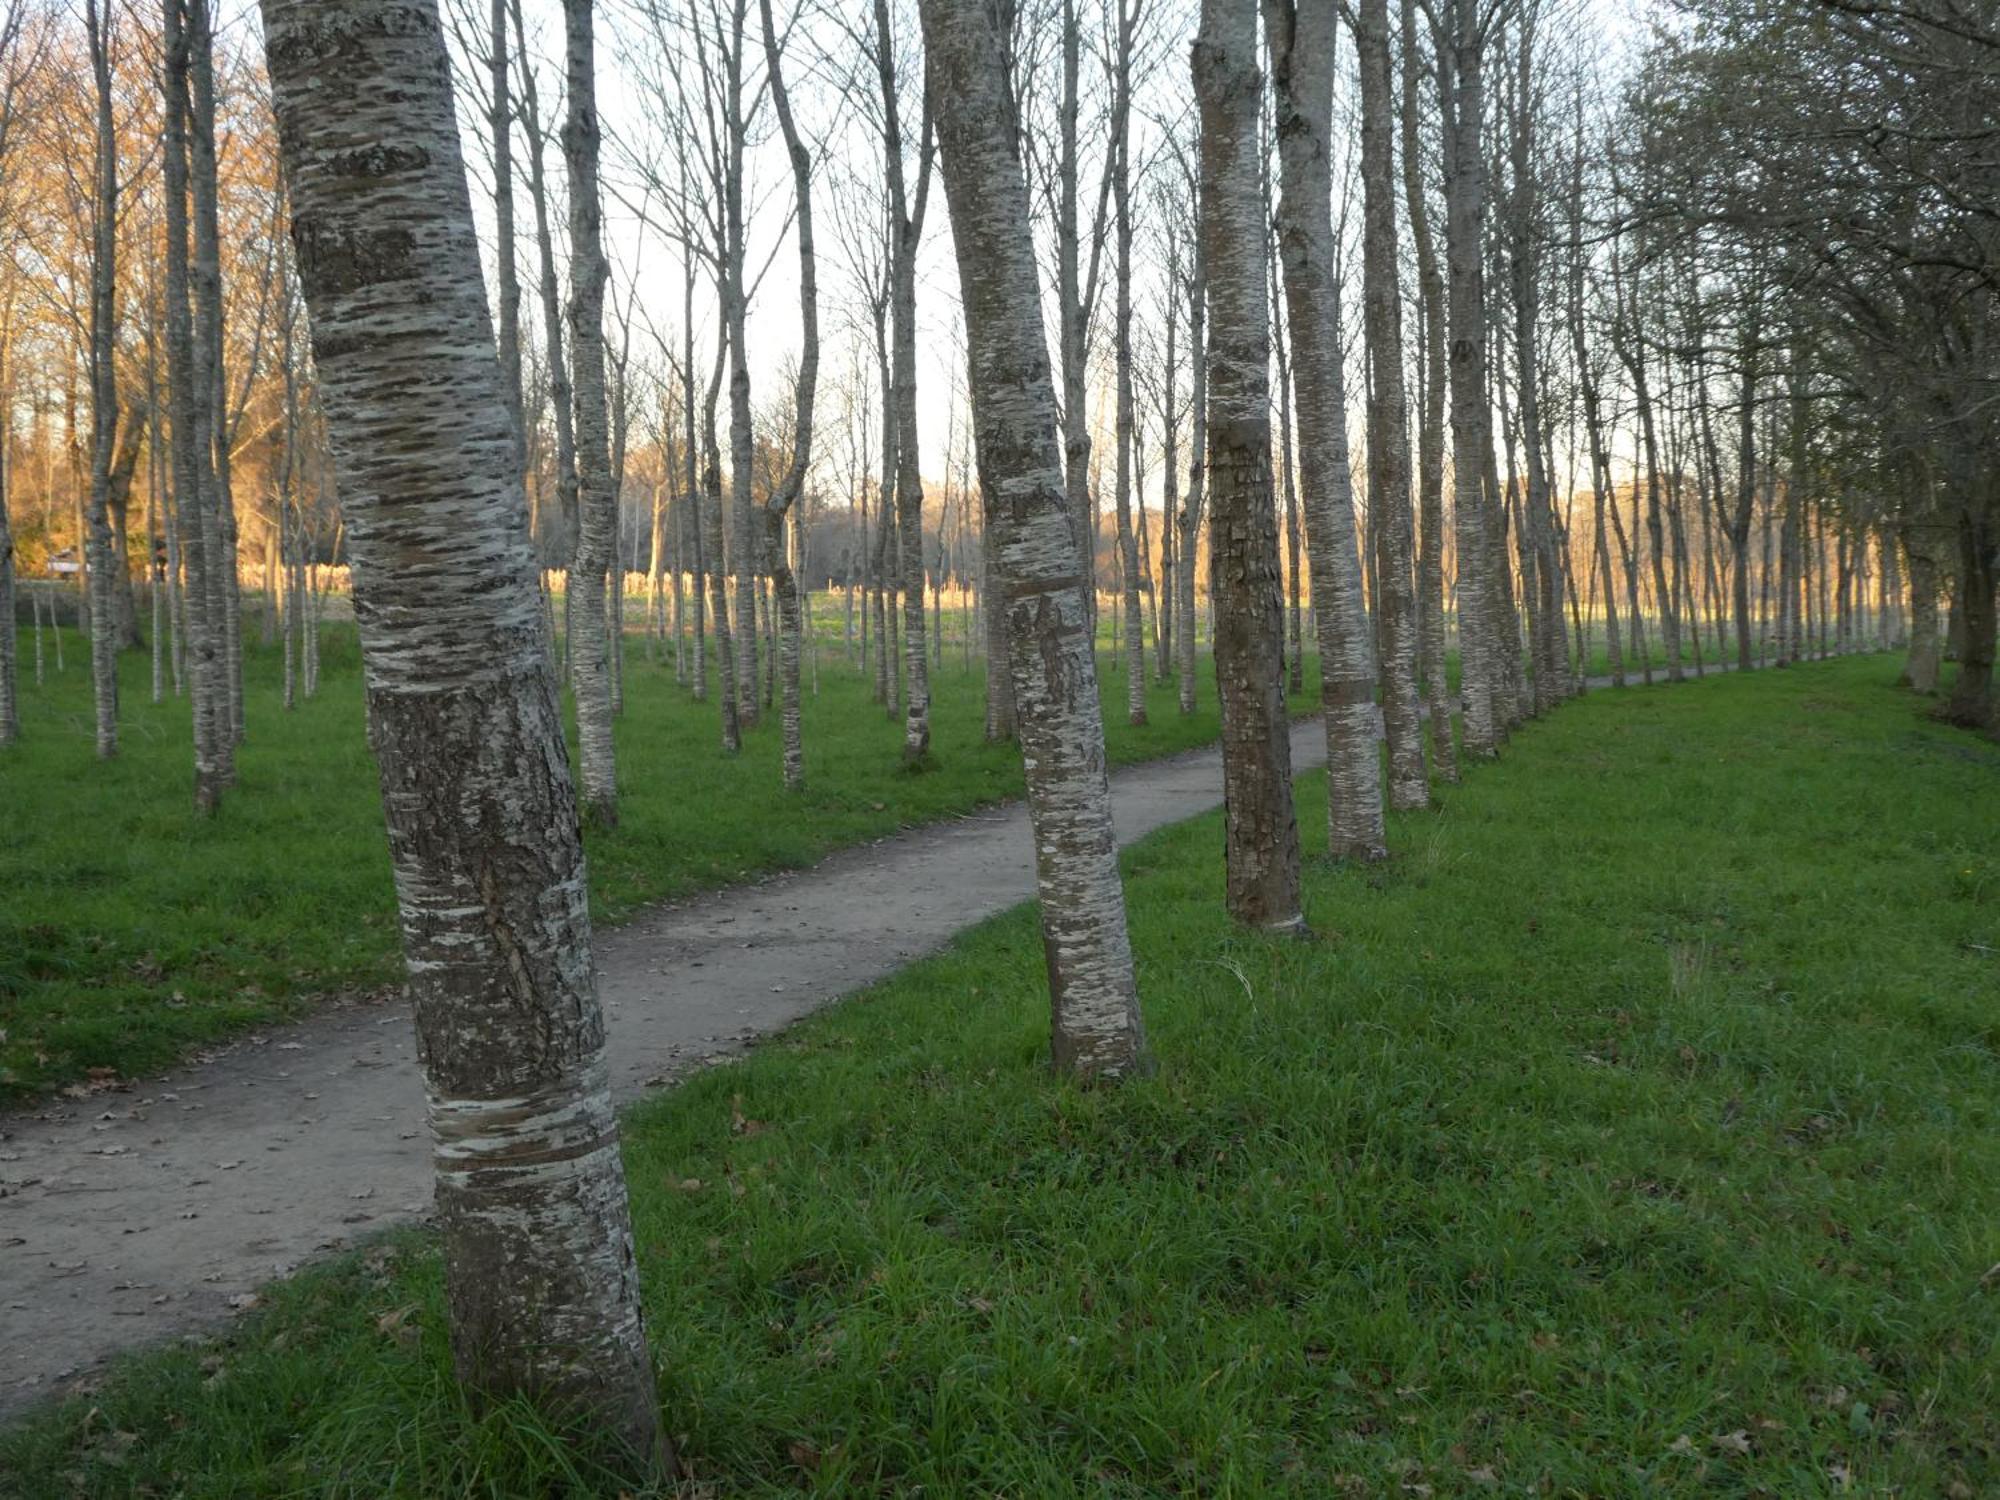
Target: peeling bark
541, 1279
1388, 416
1262, 836
1096, 1030
1303, 37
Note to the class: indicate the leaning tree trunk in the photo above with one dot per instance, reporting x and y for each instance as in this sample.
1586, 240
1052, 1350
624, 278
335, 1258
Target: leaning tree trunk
541, 1280
1262, 837
597, 499
1303, 36
1096, 1029
1388, 416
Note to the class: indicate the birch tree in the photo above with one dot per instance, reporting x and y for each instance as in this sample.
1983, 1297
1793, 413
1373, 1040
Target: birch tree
1302, 38
1262, 835
105, 560
1125, 26
1460, 33
597, 499
785, 497
1388, 414
1096, 1031
14, 64
906, 205
541, 1278
1431, 665
193, 453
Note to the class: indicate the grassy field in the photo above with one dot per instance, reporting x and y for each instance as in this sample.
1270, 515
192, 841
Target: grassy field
131, 932
1632, 1132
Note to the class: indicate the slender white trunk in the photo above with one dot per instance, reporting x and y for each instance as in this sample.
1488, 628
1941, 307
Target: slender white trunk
597, 501
1302, 41
105, 561
1096, 1030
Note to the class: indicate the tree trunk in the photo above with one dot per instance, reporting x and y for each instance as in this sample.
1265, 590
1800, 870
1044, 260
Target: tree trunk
191, 413
1971, 703
1462, 101
597, 501
785, 498
1096, 1030
1121, 333
1431, 662
541, 1279
1388, 415
1303, 37
906, 216
1926, 649
1188, 519
225, 602
711, 503
560, 400
1262, 840
105, 561
10, 690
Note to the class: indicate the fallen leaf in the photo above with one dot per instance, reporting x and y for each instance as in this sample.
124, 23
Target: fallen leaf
1732, 1442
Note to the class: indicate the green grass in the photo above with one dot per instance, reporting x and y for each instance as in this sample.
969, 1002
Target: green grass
1633, 1132
132, 932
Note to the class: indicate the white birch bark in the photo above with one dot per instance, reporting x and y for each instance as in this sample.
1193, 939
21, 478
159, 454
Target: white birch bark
597, 501
190, 412
1188, 519
556, 362
786, 495
1096, 1030
1261, 847
105, 559
10, 690
1302, 39
1461, 93
1126, 21
1431, 665
1388, 415
541, 1280
218, 512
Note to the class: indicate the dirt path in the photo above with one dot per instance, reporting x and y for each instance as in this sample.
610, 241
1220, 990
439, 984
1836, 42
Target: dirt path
136, 1215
